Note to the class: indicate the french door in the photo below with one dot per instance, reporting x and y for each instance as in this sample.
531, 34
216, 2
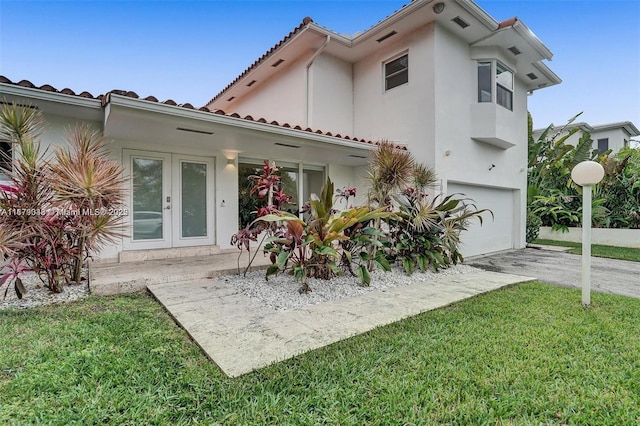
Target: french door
171, 200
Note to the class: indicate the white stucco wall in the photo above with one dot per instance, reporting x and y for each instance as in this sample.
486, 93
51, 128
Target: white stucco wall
616, 138
604, 236
226, 215
342, 176
58, 128
403, 114
280, 98
463, 160
331, 95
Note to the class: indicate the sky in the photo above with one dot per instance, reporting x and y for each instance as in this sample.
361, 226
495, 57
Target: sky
190, 50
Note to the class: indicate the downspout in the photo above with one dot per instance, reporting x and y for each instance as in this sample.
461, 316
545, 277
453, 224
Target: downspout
306, 78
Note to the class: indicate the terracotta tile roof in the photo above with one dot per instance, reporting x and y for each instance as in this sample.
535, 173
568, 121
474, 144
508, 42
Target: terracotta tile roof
48, 88
265, 56
508, 23
306, 21
105, 99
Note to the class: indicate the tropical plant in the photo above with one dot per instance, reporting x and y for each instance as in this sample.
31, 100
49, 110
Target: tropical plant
620, 190
426, 231
56, 212
533, 226
551, 194
248, 202
391, 170
26, 204
310, 249
84, 179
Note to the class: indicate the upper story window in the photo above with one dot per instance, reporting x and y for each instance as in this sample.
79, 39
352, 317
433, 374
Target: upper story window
504, 86
494, 74
6, 159
603, 145
396, 72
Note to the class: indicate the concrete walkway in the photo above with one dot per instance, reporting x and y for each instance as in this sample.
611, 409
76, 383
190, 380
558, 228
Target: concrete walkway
556, 267
240, 334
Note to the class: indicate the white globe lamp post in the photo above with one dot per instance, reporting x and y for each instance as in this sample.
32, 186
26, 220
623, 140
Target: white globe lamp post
586, 174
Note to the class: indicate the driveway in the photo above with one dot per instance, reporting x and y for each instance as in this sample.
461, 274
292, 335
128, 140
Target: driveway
607, 275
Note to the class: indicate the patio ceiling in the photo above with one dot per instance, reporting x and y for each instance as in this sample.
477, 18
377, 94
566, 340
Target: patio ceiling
169, 127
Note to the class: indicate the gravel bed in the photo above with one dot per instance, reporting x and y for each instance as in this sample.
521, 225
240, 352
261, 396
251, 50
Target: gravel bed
37, 294
281, 292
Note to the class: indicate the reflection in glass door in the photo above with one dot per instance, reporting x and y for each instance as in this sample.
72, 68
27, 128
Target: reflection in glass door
193, 210
193, 191
171, 199
147, 175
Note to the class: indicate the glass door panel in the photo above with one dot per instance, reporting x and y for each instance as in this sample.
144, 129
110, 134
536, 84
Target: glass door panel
193, 190
194, 199
147, 198
290, 181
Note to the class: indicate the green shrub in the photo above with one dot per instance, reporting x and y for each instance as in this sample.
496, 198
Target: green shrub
426, 233
533, 226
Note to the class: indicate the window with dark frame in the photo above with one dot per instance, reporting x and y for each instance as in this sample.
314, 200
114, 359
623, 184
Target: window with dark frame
603, 144
396, 72
6, 158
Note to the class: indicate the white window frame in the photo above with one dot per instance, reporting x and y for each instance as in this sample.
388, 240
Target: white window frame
385, 77
495, 84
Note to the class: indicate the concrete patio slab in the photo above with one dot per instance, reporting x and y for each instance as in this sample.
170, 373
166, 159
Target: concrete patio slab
240, 334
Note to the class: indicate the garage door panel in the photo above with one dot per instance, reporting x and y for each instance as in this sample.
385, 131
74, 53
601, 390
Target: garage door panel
495, 233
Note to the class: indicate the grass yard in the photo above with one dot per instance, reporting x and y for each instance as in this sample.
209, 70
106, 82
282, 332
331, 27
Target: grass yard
528, 354
612, 252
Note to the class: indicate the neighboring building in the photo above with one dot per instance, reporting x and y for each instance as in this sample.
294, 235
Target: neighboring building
612, 136
442, 79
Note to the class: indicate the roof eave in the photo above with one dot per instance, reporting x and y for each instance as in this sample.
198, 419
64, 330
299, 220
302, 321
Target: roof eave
521, 28
35, 93
177, 111
628, 126
480, 14
548, 73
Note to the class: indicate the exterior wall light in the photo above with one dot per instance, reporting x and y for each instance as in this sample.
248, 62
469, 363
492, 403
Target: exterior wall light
438, 8
586, 174
231, 161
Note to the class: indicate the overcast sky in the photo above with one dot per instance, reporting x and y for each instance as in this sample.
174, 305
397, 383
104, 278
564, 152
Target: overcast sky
188, 51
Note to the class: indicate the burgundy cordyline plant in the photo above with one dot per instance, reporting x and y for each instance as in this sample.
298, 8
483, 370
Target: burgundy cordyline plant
267, 185
55, 212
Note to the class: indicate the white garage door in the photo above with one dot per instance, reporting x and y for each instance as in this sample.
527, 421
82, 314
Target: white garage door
494, 235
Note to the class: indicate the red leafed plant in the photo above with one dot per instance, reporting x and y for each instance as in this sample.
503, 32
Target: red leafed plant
49, 223
267, 185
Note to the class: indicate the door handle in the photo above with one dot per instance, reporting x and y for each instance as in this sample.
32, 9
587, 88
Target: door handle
167, 208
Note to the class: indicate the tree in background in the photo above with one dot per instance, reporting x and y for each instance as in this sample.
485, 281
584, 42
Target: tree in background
553, 199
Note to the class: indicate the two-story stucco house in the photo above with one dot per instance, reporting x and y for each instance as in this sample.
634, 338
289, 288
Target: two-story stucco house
442, 79
611, 136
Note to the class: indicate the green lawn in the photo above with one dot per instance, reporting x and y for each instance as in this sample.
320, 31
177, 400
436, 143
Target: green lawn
622, 253
529, 354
